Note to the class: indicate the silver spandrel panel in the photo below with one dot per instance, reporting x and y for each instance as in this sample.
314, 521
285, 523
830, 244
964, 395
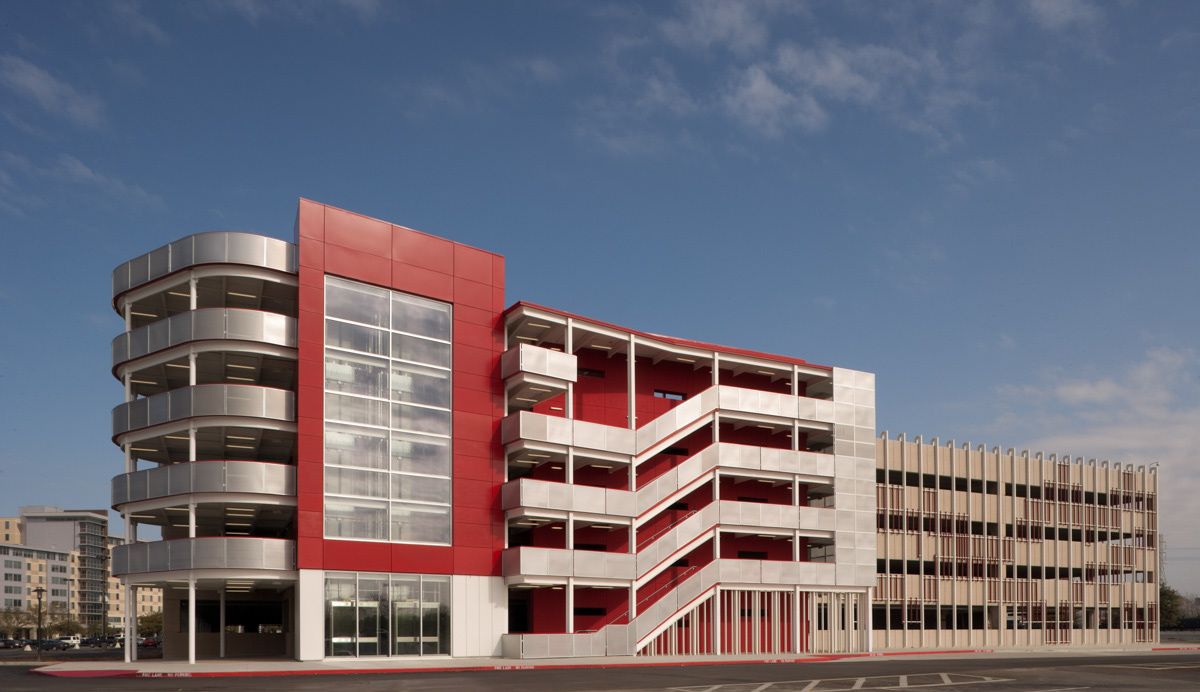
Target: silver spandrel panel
245, 248
120, 489
158, 335
139, 270
209, 248
160, 264
181, 253
207, 552
207, 476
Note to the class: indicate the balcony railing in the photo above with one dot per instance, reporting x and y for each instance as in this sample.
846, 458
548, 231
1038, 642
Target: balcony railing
219, 247
205, 324
204, 477
554, 562
204, 400
221, 552
534, 360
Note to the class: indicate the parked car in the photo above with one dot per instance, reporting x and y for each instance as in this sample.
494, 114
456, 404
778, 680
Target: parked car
53, 645
70, 640
152, 641
8, 644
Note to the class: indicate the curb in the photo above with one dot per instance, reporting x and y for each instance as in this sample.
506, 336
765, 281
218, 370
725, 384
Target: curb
816, 658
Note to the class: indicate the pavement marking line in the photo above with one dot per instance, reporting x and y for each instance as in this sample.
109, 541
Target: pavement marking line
762, 687
859, 683
945, 678
903, 681
810, 685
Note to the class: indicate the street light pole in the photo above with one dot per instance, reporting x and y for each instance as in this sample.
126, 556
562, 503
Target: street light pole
40, 592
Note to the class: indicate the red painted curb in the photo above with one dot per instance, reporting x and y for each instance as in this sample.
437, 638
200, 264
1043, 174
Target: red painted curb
87, 673
1177, 648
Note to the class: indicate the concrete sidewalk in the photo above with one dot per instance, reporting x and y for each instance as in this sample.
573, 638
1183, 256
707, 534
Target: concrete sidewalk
231, 667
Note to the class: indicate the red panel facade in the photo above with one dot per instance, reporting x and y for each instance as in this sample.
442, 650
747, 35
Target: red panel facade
336, 242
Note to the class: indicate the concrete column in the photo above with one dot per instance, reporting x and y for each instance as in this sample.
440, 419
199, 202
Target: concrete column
632, 383
570, 605
221, 591
192, 293
192, 614
191, 520
569, 348
192, 369
125, 624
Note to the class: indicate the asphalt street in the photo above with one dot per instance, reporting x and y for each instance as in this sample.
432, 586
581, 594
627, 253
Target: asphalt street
985, 673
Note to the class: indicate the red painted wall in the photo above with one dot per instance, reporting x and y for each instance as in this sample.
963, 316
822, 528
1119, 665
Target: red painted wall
341, 243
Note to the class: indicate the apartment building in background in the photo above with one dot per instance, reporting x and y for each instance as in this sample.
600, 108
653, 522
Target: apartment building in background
981, 547
26, 569
351, 447
84, 532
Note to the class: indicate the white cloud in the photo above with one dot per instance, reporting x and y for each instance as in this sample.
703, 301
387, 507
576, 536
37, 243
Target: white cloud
705, 24
755, 100
1062, 15
17, 173
129, 16
49, 93
1078, 21
255, 11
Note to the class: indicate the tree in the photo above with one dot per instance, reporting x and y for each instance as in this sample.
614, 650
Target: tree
59, 621
150, 624
1169, 605
13, 621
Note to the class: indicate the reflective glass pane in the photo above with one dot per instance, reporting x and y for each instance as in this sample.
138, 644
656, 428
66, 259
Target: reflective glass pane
347, 445
417, 419
346, 481
355, 337
419, 488
373, 618
406, 614
418, 385
435, 620
345, 518
340, 625
420, 523
351, 409
420, 350
355, 374
420, 454
420, 316
356, 302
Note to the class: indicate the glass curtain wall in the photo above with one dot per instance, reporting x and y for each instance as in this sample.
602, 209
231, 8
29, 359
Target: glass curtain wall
386, 615
387, 415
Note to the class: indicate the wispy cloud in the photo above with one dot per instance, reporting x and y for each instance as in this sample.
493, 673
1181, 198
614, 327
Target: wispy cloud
54, 96
757, 101
475, 87
968, 175
255, 11
129, 17
742, 27
73, 177
1079, 21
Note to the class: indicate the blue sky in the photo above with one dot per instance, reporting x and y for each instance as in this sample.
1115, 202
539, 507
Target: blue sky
992, 205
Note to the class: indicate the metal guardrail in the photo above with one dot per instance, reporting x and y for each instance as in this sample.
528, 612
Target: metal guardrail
219, 247
205, 324
204, 477
220, 552
204, 400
